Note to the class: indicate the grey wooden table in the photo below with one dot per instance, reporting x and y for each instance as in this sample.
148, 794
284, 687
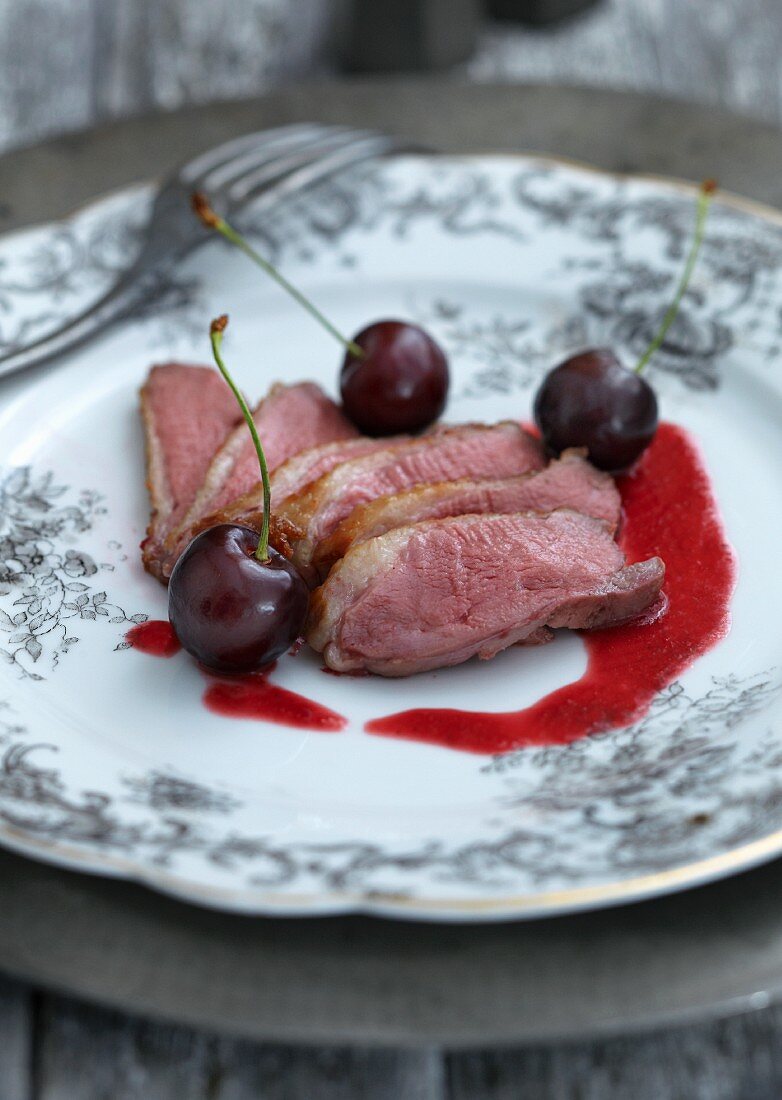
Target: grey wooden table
68, 63
65, 64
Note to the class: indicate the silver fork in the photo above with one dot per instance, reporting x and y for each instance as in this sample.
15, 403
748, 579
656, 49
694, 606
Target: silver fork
261, 168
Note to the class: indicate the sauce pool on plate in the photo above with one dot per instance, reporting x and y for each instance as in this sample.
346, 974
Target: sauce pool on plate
248, 696
252, 696
155, 637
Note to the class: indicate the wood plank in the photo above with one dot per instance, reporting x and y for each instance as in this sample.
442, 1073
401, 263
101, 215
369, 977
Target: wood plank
729, 57
736, 1059
16, 1029
120, 76
67, 63
45, 66
91, 1054
217, 49
249, 1072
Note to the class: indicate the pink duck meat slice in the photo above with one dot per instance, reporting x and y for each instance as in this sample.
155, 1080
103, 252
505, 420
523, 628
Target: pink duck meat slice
439, 592
187, 411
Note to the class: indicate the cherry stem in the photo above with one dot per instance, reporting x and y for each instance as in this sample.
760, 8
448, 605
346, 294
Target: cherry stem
216, 330
705, 196
211, 220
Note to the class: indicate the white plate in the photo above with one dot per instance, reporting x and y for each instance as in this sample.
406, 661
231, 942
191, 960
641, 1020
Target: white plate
108, 760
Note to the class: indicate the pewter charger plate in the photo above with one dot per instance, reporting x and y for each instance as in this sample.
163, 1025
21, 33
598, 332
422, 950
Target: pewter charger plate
109, 761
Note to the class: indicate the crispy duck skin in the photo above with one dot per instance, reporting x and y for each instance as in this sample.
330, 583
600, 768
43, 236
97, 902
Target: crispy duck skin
471, 450
289, 419
569, 482
290, 478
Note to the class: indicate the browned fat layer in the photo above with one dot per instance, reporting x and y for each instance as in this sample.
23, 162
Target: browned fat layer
294, 475
301, 413
499, 450
570, 482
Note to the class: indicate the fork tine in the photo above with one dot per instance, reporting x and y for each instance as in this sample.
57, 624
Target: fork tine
261, 166
252, 189
271, 165
193, 170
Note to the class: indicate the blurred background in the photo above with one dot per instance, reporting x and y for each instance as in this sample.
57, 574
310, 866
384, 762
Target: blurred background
65, 64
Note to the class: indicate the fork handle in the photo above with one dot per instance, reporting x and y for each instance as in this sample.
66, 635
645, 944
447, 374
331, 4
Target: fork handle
121, 298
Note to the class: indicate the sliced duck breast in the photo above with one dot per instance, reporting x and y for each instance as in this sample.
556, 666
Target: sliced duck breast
187, 411
570, 482
290, 478
472, 450
436, 593
289, 419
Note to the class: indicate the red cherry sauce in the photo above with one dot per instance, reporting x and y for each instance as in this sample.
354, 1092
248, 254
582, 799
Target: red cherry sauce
669, 510
155, 637
252, 696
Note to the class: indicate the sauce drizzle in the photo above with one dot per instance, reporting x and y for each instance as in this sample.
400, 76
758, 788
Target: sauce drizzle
252, 696
155, 637
669, 510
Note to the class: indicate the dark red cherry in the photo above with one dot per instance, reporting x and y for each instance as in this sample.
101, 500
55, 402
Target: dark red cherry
232, 612
400, 385
592, 401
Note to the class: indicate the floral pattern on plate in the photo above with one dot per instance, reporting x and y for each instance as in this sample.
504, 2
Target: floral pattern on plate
107, 759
